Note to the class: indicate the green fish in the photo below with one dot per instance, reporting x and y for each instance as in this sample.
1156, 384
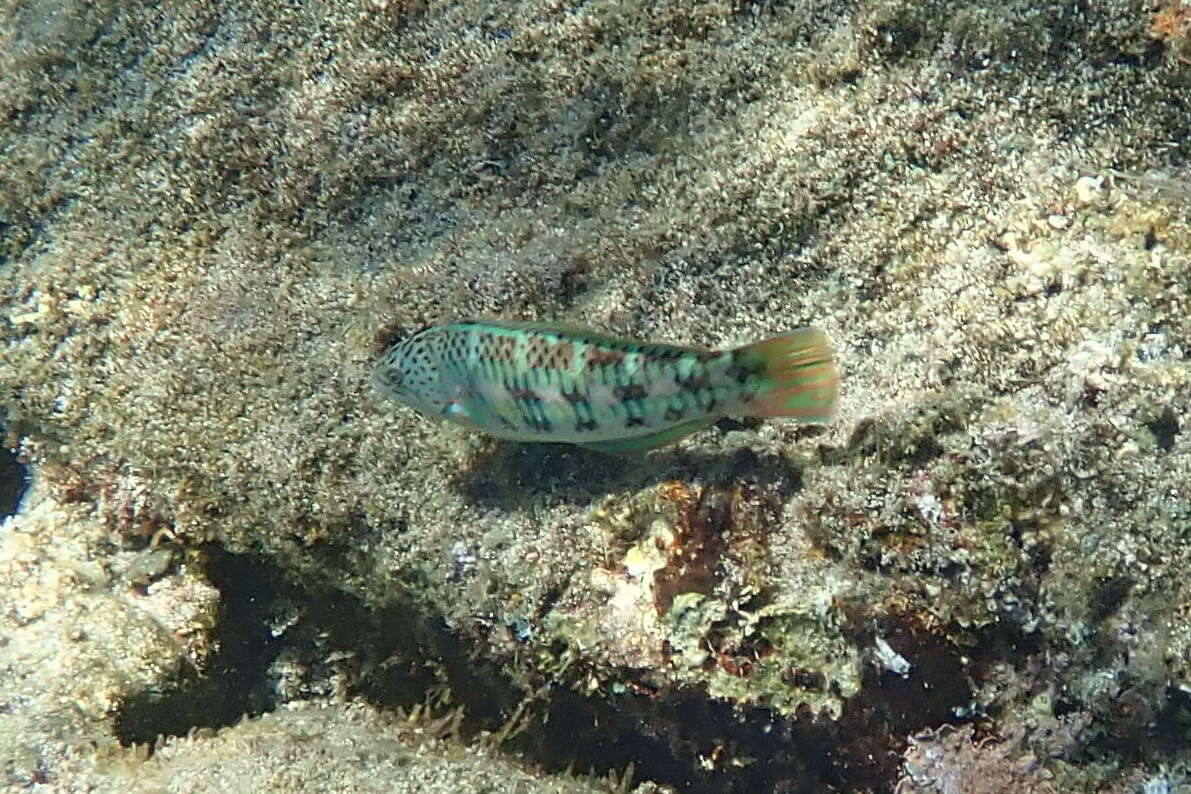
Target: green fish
540, 382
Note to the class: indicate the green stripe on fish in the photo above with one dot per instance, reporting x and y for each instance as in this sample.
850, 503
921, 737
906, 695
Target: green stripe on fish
540, 382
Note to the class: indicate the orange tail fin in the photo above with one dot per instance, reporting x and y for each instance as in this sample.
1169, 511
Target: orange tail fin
798, 376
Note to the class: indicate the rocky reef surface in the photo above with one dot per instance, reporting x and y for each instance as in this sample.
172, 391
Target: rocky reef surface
976, 579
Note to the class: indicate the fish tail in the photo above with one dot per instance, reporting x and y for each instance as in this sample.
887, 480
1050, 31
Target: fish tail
798, 376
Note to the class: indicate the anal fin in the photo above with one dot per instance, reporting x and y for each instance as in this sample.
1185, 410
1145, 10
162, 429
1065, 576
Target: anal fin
633, 444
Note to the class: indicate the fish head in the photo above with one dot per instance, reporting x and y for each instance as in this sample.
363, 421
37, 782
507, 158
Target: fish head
411, 372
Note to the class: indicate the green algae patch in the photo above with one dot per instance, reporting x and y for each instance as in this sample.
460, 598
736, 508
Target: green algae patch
801, 663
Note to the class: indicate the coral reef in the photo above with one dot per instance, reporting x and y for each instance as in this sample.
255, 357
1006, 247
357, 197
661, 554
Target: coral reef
211, 214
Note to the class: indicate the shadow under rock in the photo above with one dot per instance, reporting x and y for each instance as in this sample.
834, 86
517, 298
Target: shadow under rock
236, 682
701, 744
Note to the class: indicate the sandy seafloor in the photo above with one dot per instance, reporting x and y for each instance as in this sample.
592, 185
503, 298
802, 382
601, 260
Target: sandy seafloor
238, 569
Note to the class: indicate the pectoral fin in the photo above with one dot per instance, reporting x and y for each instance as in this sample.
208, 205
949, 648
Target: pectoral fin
634, 444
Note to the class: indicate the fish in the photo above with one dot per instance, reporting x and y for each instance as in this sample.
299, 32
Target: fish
558, 383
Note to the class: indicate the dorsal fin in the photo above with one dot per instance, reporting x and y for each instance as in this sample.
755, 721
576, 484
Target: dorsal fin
589, 336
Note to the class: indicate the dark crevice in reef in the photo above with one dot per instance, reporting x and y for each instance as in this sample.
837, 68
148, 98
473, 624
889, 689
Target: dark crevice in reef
235, 684
1165, 427
702, 745
399, 657
688, 740
14, 480
393, 657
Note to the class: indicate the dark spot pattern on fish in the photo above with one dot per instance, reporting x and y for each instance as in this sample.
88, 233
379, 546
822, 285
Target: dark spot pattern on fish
580, 407
502, 349
532, 415
662, 353
600, 357
529, 404
630, 391
693, 383
524, 394
546, 355
738, 370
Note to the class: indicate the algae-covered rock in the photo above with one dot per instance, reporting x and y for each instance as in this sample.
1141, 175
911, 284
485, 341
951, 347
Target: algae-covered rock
79, 641
306, 747
212, 215
689, 602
